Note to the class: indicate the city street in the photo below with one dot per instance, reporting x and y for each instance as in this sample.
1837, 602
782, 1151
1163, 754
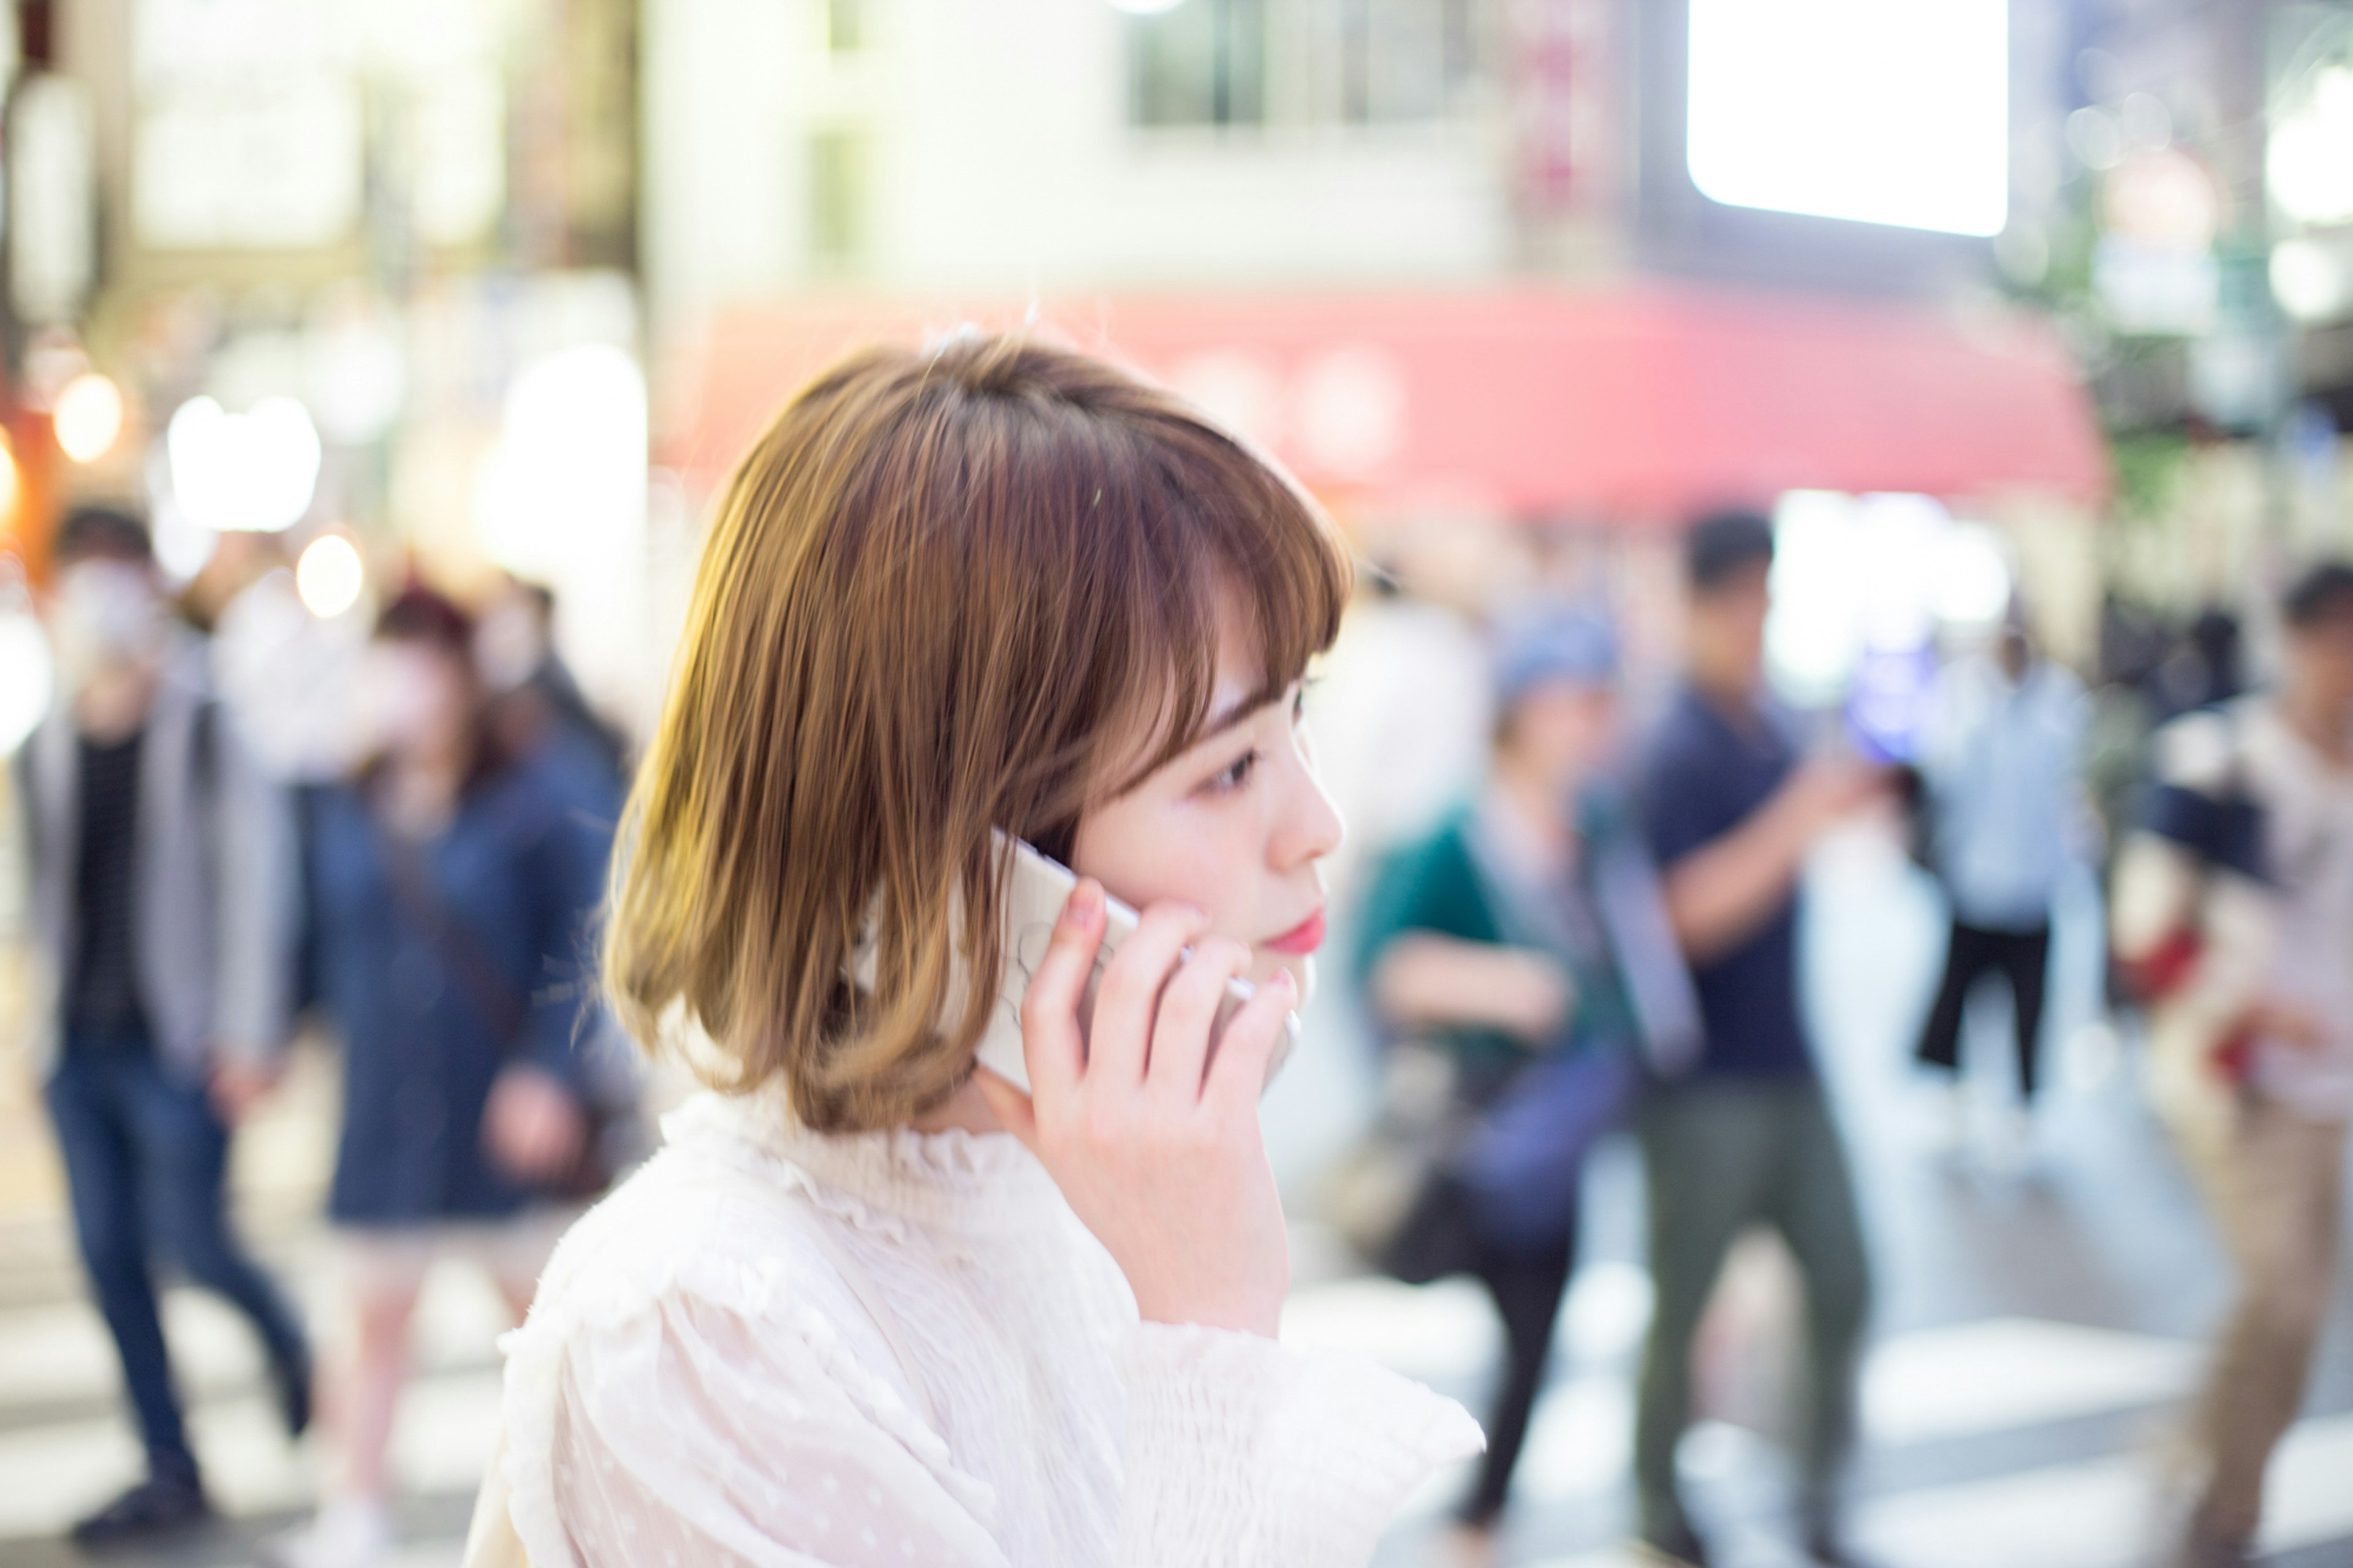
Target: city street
2034, 1327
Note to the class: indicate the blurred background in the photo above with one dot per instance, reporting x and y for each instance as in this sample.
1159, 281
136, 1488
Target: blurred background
1982, 303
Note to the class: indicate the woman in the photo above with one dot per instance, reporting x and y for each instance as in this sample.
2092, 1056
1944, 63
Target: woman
452, 889
871, 1305
1526, 936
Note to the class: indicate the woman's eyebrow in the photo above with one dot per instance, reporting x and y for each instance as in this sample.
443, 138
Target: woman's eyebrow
1238, 709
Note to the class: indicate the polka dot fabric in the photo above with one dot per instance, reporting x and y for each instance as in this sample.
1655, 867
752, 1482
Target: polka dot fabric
782, 1350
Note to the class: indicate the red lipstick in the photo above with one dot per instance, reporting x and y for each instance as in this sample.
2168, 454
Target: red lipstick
1303, 938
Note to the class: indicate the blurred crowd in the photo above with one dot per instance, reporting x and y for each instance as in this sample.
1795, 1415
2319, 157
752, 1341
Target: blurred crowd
1603, 929
1590, 921
402, 832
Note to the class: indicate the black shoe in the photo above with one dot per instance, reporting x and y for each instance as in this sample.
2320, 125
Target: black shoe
290, 1376
1676, 1548
161, 1503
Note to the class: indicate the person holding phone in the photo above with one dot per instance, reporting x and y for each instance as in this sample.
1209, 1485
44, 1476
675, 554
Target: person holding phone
872, 1304
1746, 1138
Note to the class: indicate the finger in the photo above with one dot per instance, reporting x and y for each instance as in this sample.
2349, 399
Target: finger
1120, 1040
1013, 1110
1236, 1074
1189, 1013
1053, 1046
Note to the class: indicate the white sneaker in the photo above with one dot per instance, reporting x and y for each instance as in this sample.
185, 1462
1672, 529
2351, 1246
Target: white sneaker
2009, 1145
344, 1534
1948, 1133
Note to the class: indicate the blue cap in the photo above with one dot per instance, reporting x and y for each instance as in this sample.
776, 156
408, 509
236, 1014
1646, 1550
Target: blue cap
1552, 642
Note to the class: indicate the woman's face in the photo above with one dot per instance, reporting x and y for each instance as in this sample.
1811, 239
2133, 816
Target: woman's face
414, 697
1237, 826
1566, 729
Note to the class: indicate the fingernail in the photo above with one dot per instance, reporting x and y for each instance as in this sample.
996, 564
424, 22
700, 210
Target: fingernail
1086, 902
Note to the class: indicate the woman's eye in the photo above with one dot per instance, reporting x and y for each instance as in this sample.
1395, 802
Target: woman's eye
1235, 774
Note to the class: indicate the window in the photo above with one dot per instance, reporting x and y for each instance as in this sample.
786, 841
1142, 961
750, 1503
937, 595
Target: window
845, 25
837, 191
1305, 62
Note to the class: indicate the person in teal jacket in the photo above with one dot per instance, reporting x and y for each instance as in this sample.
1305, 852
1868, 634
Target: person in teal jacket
1526, 926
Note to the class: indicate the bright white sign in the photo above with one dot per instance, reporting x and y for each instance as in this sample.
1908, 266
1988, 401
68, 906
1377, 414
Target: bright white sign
1888, 111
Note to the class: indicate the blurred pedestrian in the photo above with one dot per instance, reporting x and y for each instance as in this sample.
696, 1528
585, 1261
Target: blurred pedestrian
1527, 935
1747, 1138
2002, 760
452, 891
2233, 909
162, 871
536, 702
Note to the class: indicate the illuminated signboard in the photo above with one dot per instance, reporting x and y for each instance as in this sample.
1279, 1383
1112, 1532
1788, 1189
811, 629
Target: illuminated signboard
1884, 112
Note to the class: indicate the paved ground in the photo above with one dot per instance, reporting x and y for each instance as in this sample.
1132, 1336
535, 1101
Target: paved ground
2034, 1327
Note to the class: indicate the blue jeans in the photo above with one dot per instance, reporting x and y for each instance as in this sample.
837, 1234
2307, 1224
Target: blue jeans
145, 1156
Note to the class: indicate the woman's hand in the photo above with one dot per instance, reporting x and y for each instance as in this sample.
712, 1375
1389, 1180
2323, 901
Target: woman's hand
1424, 980
532, 1124
1155, 1142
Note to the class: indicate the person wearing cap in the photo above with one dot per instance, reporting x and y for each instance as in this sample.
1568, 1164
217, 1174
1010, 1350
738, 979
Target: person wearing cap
2232, 912
1746, 1137
1525, 932
163, 873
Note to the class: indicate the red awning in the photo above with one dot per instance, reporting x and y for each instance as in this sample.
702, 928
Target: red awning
1640, 404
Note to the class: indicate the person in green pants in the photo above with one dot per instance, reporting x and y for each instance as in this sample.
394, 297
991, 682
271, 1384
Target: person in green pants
1745, 1138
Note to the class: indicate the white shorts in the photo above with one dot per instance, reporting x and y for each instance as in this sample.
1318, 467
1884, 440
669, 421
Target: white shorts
391, 1260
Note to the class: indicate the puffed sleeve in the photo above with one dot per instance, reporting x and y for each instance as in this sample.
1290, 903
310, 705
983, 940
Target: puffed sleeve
1240, 1452
685, 1435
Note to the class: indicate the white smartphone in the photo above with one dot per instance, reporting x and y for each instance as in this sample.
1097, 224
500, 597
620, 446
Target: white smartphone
1034, 898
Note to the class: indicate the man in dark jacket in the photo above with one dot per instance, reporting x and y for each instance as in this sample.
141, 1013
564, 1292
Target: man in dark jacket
163, 887
1746, 1138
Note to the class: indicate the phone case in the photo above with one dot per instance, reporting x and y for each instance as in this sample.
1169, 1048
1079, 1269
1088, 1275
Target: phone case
1035, 894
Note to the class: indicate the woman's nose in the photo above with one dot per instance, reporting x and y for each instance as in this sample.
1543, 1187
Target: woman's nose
1310, 826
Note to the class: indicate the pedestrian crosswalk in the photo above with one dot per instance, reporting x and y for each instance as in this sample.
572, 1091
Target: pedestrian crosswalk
63, 1441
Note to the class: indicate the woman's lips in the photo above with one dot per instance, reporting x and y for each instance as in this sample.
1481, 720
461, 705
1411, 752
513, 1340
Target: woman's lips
1303, 938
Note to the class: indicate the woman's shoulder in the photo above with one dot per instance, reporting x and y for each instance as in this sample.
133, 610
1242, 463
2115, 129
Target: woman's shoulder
716, 1270
704, 1218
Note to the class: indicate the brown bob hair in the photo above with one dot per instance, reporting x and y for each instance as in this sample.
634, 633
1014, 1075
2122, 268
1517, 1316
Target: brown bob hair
946, 591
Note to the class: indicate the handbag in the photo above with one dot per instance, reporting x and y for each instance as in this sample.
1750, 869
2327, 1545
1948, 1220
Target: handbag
1375, 1194
501, 1006
1522, 1162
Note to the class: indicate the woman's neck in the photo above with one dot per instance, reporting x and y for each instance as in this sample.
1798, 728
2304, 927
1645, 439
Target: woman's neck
964, 1111
1540, 801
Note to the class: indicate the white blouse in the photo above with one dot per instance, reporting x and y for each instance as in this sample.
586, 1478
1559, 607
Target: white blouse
772, 1347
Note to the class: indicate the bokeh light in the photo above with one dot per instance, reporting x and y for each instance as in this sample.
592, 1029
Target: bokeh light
11, 483
329, 575
2308, 280
255, 471
26, 679
87, 418
2308, 162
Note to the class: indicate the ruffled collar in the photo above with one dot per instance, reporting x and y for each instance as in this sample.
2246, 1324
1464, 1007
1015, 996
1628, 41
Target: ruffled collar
955, 1182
